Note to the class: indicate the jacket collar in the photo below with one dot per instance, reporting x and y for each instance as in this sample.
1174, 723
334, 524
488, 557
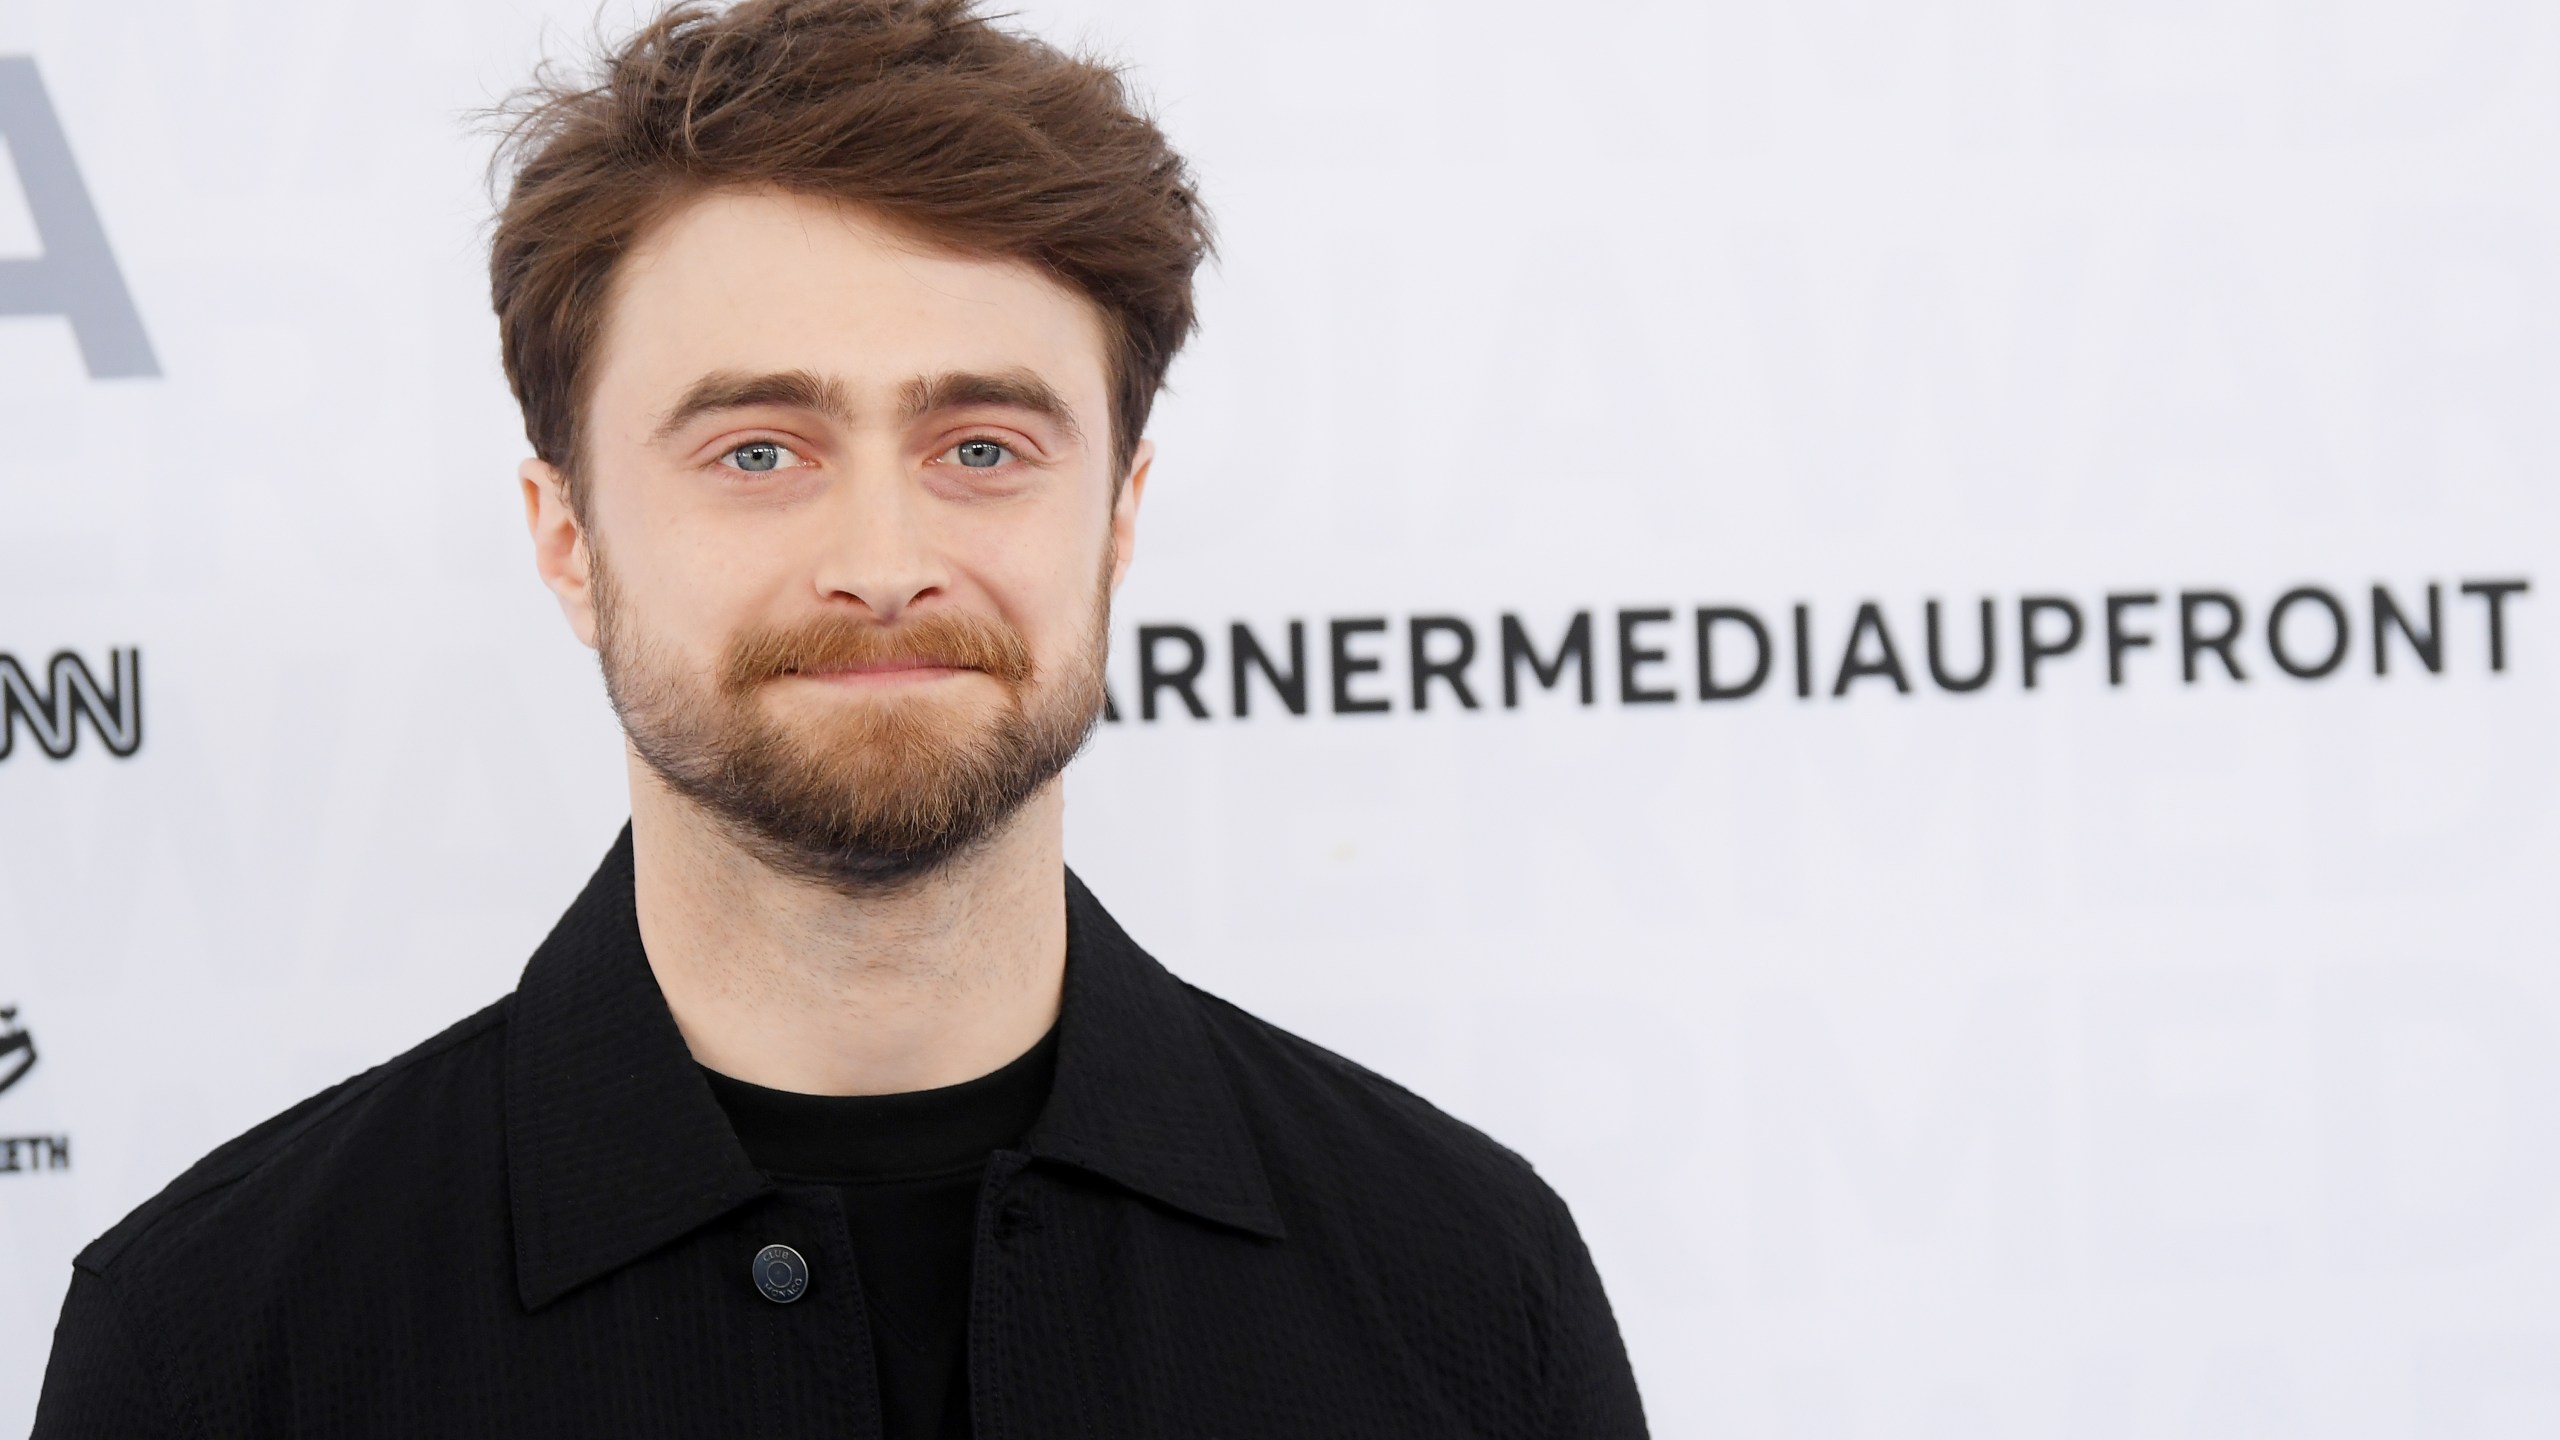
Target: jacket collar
615, 1145
1142, 1097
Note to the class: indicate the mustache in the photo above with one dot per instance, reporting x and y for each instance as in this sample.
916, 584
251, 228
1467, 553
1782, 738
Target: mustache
950, 638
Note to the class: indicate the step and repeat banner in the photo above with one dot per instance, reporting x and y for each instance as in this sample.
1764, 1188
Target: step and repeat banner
1913, 645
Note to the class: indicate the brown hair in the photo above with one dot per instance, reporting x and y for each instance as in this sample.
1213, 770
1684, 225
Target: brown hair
979, 139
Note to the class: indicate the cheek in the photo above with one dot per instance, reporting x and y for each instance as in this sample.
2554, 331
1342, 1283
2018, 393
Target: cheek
1048, 591
684, 598
1053, 580
1037, 610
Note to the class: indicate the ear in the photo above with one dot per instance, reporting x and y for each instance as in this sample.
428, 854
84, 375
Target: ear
1124, 512
560, 553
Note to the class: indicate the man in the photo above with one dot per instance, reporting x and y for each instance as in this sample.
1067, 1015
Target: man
835, 1105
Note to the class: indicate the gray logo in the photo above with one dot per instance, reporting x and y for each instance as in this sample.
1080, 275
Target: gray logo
54, 712
76, 276
17, 1048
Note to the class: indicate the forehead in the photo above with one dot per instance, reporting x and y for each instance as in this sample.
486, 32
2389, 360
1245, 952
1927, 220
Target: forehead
765, 281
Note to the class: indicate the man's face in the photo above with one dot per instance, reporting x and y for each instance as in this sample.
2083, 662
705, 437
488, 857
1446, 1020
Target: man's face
849, 531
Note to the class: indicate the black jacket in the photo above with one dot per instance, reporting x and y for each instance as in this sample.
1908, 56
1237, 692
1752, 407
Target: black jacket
539, 1223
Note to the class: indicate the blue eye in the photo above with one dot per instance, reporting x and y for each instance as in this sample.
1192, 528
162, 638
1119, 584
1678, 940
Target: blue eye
759, 456
980, 454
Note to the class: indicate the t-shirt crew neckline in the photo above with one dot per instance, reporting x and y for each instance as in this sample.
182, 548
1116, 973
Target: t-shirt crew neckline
854, 1139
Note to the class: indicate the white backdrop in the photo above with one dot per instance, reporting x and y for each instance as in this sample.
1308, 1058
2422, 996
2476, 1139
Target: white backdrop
2151, 1059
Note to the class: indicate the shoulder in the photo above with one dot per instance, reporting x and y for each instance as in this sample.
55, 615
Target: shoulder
332, 1138
1329, 1124
1456, 1245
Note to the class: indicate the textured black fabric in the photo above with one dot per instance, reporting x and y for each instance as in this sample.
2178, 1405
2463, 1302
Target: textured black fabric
908, 1167
540, 1223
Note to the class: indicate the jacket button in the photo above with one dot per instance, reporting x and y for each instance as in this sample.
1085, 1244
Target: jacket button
781, 1275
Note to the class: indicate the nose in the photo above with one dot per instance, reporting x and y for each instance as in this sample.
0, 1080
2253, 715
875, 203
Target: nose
877, 548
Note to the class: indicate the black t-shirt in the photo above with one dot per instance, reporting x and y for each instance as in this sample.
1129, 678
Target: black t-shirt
909, 1167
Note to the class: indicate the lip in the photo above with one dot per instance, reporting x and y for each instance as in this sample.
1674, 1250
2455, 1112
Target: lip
886, 672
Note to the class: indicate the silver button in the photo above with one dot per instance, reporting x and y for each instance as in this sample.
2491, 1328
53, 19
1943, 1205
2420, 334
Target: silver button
781, 1275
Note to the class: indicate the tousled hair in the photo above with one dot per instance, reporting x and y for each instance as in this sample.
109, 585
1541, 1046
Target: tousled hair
975, 138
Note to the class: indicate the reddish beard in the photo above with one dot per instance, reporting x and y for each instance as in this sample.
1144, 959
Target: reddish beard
878, 791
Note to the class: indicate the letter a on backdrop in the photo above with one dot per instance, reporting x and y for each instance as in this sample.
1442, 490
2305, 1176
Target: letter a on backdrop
76, 276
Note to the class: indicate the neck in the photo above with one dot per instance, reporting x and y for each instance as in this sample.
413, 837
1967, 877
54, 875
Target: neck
794, 985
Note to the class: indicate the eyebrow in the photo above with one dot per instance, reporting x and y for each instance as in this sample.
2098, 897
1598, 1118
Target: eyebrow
1009, 389
803, 390
732, 390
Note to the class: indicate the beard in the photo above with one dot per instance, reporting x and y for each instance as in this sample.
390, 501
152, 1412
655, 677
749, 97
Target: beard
868, 794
